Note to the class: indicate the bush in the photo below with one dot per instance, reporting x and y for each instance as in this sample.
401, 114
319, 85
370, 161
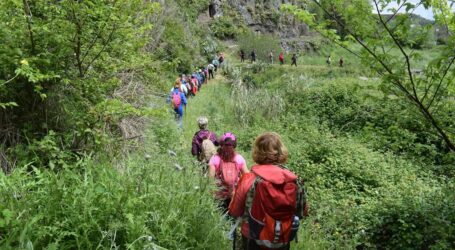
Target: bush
144, 203
223, 27
367, 163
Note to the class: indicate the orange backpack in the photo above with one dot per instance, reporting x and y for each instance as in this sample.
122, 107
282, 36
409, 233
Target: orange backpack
228, 176
273, 212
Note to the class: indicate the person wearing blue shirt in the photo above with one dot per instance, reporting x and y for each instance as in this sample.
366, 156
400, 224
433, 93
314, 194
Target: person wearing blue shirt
179, 110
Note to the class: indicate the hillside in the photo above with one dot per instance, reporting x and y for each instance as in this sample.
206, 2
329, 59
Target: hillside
92, 154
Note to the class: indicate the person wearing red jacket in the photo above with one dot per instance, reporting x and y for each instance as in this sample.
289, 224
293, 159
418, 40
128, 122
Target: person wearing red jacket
269, 153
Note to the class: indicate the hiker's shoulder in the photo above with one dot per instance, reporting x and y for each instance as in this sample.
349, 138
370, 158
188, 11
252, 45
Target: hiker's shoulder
238, 158
215, 160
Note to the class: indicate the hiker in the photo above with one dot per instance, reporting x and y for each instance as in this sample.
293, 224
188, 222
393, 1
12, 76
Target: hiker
194, 84
253, 56
271, 57
182, 87
294, 60
178, 101
328, 61
200, 77
341, 62
205, 72
270, 198
242, 55
204, 142
225, 167
281, 58
186, 86
211, 68
216, 63
221, 58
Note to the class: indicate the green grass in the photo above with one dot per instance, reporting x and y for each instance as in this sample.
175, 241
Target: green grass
141, 202
367, 184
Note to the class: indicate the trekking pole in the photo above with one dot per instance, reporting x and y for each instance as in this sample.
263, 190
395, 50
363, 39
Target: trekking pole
232, 234
234, 240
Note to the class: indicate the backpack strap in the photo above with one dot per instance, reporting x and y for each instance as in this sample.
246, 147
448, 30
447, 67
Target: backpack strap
301, 200
250, 196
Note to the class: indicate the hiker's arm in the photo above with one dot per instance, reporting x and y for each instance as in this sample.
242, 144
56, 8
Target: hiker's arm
213, 139
237, 206
194, 146
212, 171
182, 96
242, 164
245, 169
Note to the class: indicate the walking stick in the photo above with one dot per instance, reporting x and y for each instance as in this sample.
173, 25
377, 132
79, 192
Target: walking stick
232, 233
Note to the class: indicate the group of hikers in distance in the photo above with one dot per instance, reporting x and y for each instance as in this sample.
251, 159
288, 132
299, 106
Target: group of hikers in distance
268, 199
187, 86
271, 57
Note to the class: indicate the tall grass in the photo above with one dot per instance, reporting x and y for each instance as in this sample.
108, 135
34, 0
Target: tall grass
362, 196
143, 204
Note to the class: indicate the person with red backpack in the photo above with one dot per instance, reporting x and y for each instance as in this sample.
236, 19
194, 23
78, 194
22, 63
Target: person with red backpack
270, 198
194, 85
281, 58
226, 167
178, 101
204, 142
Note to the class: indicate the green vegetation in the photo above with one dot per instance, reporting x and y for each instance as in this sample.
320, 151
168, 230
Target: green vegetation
378, 35
141, 202
92, 158
376, 178
262, 44
85, 132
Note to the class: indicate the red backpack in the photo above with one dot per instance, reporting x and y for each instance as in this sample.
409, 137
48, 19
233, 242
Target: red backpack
176, 100
228, 176
273, 211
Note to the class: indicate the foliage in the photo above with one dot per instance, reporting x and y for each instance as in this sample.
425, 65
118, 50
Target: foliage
209, 47
145, 203
372, 172
193, 8
377, 36
62, 59
223, 27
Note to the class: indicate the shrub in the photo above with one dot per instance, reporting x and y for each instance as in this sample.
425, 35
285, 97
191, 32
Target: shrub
144, 203
223, 27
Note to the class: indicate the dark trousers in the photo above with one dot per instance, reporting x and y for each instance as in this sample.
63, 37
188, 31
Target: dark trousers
210, 74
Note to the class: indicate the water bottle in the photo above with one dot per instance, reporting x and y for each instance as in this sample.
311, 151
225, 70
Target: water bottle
294, 228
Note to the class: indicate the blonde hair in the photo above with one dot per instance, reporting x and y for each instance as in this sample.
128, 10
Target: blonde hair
177, 83
269, 149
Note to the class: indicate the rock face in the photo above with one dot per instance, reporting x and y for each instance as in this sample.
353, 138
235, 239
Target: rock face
262, 16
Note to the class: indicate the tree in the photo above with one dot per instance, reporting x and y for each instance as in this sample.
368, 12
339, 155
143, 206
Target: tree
60, 59
379, 36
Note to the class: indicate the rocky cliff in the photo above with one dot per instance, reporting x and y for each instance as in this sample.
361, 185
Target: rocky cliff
261, 16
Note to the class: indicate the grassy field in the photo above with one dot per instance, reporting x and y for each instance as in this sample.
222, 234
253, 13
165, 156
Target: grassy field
371, 181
